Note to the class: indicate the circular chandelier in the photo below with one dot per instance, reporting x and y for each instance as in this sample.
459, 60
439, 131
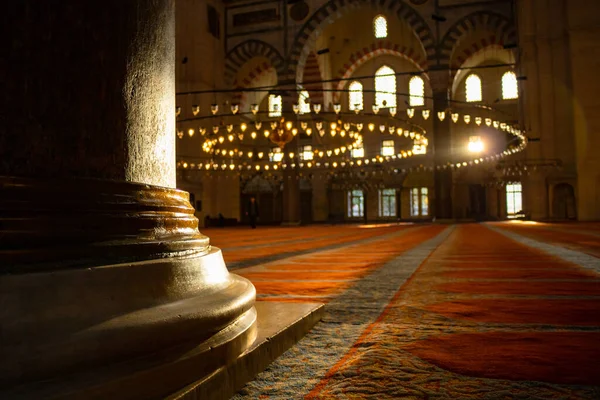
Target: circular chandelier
263, 140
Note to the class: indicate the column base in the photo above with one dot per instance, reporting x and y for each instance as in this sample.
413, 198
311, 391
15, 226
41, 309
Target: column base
280, 326
85, 334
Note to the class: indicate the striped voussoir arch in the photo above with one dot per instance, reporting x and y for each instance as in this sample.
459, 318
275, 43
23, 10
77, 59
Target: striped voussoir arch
253, 76
331, 11
500, 28
376, 49
312, 73
244, 52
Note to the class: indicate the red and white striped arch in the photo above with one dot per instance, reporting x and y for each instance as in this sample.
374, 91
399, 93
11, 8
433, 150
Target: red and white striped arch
264, 74
375, 50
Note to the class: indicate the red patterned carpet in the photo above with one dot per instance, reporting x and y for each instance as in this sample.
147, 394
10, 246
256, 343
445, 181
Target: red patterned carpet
584, 237
320, 275
479, 315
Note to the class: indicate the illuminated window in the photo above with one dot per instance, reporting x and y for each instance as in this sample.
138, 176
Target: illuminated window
274, 105
276, 155
307, 153
304, 102
473, 88
387, 203
419, 202
420, 146
385, 87
514, 200
510, 88
358, 151
416, 89
355, 203
355, 96
387, 148
380, 26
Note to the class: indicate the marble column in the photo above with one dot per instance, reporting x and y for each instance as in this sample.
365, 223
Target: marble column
442, 144
106, 284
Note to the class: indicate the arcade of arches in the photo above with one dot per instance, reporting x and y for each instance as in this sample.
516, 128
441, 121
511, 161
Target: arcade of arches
477, 55
300, 199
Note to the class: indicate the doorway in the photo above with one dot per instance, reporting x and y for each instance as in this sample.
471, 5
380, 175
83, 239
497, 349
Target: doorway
305, 207
477, 202
563, 202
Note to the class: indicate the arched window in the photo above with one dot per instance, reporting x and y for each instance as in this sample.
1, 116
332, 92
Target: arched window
355, 96
304, 102
380, 26
385, 87
510, 89
274, 105
473, 88
416, 89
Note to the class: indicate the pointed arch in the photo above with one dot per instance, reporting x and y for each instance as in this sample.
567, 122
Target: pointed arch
312, 75
375, 50
335, 9
244, 52
462, 40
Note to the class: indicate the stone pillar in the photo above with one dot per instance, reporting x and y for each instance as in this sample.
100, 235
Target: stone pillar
101, 260
320, 199
442, 141
291, 196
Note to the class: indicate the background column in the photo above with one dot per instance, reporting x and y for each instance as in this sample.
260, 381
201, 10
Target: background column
442, 144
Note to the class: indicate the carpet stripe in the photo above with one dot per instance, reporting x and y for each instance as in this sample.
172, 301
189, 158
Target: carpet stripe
575, 257
346, 317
